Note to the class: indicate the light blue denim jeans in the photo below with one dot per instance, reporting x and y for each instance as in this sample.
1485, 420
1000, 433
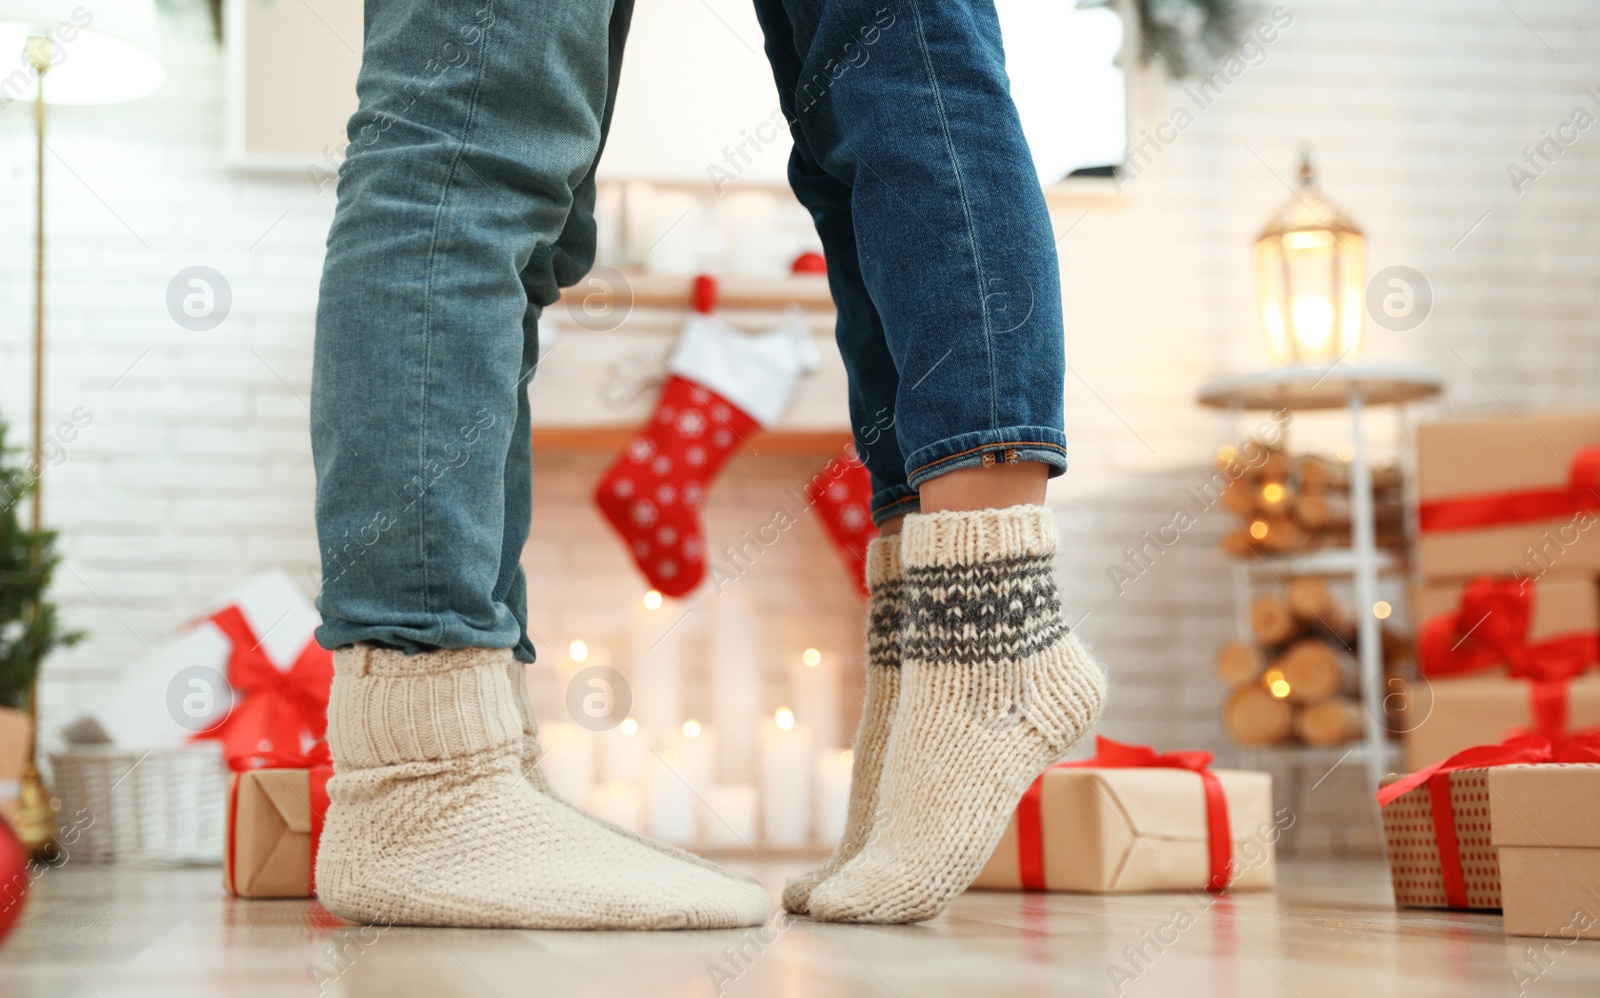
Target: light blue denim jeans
466, 204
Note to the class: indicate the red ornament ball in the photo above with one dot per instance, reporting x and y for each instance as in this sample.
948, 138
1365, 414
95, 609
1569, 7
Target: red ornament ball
14, 878
809, 263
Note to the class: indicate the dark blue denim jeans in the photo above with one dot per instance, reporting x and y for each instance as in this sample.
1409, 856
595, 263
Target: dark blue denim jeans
910, 156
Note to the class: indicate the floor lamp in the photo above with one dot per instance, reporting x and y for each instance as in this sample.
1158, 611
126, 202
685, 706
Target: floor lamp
68, 54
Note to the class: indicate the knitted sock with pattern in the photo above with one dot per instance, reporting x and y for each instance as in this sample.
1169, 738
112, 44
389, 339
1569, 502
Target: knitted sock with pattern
431, 821
530, 754
885, 609
993, 689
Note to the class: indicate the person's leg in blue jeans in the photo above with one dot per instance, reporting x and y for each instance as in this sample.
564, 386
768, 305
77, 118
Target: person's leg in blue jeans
910, 156
464, 206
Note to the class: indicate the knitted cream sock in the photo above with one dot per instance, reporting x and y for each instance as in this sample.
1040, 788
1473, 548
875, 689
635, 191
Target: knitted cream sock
872, 736
993, 690
430, 821
532, 752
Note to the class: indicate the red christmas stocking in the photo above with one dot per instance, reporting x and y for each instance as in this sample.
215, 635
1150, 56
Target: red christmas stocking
724, 385
841, 493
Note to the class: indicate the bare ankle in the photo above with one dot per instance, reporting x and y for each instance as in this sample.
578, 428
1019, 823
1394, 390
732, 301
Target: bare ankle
993, 487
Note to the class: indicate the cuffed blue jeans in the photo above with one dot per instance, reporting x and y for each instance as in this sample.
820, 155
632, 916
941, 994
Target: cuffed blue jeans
466, 204
910, 156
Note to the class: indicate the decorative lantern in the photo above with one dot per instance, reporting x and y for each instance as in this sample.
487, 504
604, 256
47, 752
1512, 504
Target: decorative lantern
1310, 272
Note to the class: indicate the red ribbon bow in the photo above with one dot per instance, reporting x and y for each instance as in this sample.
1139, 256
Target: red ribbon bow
1531, 748
315, 757
1490, 627
1487, 509
277, 706
318, 763
1109, 754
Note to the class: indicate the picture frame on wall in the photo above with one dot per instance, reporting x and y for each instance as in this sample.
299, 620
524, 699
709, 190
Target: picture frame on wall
292, 68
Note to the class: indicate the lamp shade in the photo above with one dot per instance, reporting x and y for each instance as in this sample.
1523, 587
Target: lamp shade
104, 55
1310, 271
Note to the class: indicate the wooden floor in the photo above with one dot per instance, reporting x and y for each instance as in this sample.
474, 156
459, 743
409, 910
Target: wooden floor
1329, 931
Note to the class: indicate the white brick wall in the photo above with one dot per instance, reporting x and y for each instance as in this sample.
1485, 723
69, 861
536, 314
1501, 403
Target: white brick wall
1412, 113
195, 472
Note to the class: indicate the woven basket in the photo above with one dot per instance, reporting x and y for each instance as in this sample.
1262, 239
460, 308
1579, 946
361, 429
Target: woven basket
164, 806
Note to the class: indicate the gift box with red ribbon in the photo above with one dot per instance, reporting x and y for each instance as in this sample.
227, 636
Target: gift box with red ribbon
275, 817
1502, 656
1438, 822
248, 674
276, 710
1508, 495
1132, 819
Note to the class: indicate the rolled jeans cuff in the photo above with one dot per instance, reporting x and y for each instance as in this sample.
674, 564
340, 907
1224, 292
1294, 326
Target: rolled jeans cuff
1007, 445
896, 500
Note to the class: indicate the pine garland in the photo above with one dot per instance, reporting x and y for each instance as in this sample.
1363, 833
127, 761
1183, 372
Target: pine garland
1184, 35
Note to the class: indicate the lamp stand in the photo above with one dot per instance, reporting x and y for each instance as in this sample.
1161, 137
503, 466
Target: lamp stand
37, 806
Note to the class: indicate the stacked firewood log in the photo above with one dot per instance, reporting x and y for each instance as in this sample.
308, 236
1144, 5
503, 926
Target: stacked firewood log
1290, 504
1297, 679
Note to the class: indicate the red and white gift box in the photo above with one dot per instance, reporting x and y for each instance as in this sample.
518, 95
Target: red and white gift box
251, 666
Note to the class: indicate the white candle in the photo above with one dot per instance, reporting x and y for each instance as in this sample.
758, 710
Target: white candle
638, 208
655, 663
732, 820
748, 221
624, 751
594, 695
672, 805
694, 747
679, 240
617, 803
735, 685
786, 762
815, 675
568, 761
833, 793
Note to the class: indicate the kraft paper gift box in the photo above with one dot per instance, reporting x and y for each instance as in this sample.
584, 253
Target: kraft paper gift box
1546, 826
274, 819
1438, 822
1512, 494
1460, 713
1114, 831
1557, 605
1468, 632
1439, 863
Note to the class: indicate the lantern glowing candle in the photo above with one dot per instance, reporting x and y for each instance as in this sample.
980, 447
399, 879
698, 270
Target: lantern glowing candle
1310, 276
786, 778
